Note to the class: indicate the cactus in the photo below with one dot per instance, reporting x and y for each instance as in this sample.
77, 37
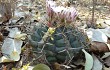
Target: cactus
64, 38
61, 41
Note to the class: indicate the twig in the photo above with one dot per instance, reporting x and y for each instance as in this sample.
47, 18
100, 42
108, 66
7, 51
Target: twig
93, 23
12, 26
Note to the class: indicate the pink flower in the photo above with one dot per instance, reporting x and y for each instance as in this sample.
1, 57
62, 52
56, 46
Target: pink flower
49, 5
71, 14
67, 14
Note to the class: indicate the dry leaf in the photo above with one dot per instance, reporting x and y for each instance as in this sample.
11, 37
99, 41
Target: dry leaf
89, 60
105, 68
99, 47
106, 55
57, 66
20, 36
5, 11
1, 37
11, 47
96, 35
5, 59
106, 31
97, 65
107, 61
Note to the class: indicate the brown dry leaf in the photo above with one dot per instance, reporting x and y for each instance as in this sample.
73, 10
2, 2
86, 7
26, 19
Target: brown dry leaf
108, 42
5, 11
1, 37
107, 61
57, 66
4, 68
99, 47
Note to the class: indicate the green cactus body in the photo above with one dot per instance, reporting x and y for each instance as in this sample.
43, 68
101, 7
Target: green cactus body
56, 49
